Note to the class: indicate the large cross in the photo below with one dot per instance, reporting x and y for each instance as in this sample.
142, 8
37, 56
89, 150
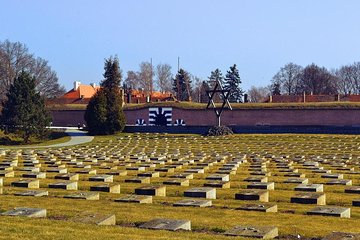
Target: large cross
224, 95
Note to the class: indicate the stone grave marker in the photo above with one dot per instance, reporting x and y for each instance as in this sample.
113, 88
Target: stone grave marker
259, 207
219, 177
342, 236
295, 175
57, 170
84, 195
118, 173
86, 171
256, 179
331, 211
95, 218
310, 187
101, 178
353, 189
1, 182
26, 212
195, 170
138, 180
114, 188
136, 168
345, 182
297, 180
7, 173
64, 185
193, 203
34, 175
201, 192
32, 193
217, 184
135, 199
167, 224
183, 175
334, 175
309, 198
26, 183
149, 174
165, 169
264, 232
151, 190
261, 185
256, 195
178, 182
68, 176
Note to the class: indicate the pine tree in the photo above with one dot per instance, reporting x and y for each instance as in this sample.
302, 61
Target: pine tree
216, 76
232, 83
104, 113
275, 89
182, 85
24, 111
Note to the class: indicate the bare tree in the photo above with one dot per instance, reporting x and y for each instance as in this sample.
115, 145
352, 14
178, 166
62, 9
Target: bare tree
348, 78
132, 80
287, 78
164, 77
317, 80
258, 94
14, 58
146, 75
196, 92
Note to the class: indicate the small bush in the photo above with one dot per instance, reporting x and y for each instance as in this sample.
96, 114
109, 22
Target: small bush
219, 131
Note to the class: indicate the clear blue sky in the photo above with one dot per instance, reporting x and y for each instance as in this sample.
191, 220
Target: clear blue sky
260, 36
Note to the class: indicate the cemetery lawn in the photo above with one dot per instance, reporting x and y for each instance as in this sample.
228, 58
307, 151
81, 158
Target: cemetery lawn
55, 137
272, 153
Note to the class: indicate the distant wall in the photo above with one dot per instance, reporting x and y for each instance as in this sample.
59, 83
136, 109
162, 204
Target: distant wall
313, 98
239, 117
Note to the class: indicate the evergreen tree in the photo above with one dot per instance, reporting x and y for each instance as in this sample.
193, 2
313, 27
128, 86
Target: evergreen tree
95, 114
24, 111
232, 83
275, 89
104, 113
216, 76
182, 85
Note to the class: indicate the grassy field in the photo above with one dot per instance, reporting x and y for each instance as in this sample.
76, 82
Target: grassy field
55, 137
207, 223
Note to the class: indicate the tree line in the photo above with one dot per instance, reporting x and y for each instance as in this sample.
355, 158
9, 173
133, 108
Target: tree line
184, 86
293, 79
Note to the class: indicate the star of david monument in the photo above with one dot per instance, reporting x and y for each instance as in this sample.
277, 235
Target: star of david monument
224, 94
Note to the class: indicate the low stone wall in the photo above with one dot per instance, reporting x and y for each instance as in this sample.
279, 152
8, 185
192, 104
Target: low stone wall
237, 117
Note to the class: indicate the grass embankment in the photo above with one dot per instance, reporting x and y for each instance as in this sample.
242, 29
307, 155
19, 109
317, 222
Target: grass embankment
207, 223
194, 105
13, 141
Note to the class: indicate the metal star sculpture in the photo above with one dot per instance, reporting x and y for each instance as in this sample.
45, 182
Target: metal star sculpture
224, 95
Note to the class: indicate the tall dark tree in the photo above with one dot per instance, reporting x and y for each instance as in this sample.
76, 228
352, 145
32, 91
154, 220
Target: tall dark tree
24, 110
182, 85
232, 82
275, 89
216, 76
316, 80
104, 113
